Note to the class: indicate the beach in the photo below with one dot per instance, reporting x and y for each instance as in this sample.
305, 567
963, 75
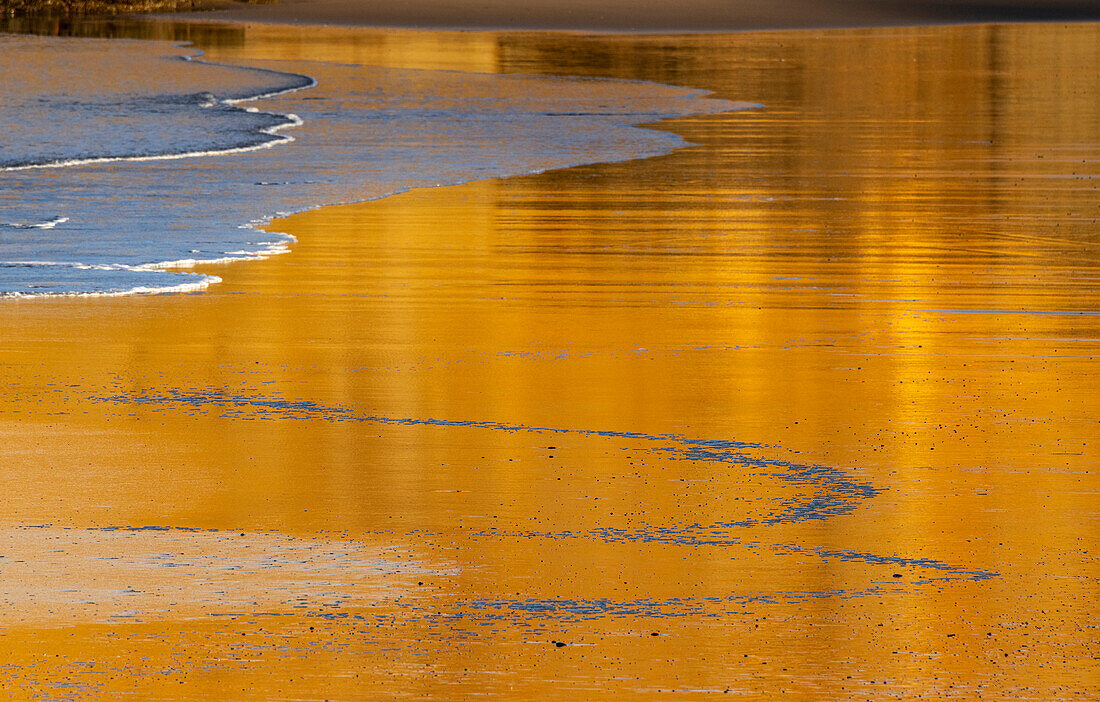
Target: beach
802, 404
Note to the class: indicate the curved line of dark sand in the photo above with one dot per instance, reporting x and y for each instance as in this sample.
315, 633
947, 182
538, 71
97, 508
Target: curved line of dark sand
832, 491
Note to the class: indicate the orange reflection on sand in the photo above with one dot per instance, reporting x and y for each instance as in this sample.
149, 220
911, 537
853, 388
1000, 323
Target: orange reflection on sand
585, 404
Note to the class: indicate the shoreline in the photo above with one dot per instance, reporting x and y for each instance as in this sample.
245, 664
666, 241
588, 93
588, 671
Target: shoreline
609, 135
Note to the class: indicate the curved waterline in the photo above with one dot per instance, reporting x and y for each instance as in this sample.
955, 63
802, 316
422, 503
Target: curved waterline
290, 120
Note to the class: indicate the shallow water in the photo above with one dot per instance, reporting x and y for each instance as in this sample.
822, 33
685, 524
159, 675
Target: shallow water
807, 409
95, 198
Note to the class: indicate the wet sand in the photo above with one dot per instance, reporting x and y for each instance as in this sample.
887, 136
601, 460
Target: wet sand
656, 15
808, 408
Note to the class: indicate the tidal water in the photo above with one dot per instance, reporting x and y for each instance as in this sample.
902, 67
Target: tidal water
122, 159
807, 409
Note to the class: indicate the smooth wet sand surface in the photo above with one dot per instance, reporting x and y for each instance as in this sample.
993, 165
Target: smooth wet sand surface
808, 408
655, 15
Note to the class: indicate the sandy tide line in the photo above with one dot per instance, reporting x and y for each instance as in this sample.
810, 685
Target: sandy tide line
58, 576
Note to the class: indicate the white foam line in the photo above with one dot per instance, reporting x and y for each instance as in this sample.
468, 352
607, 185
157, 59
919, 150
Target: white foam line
49, 224
196, 286
293, 120
274, 248
70, 264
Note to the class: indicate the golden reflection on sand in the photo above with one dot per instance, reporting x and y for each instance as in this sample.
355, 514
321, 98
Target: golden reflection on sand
808, 408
